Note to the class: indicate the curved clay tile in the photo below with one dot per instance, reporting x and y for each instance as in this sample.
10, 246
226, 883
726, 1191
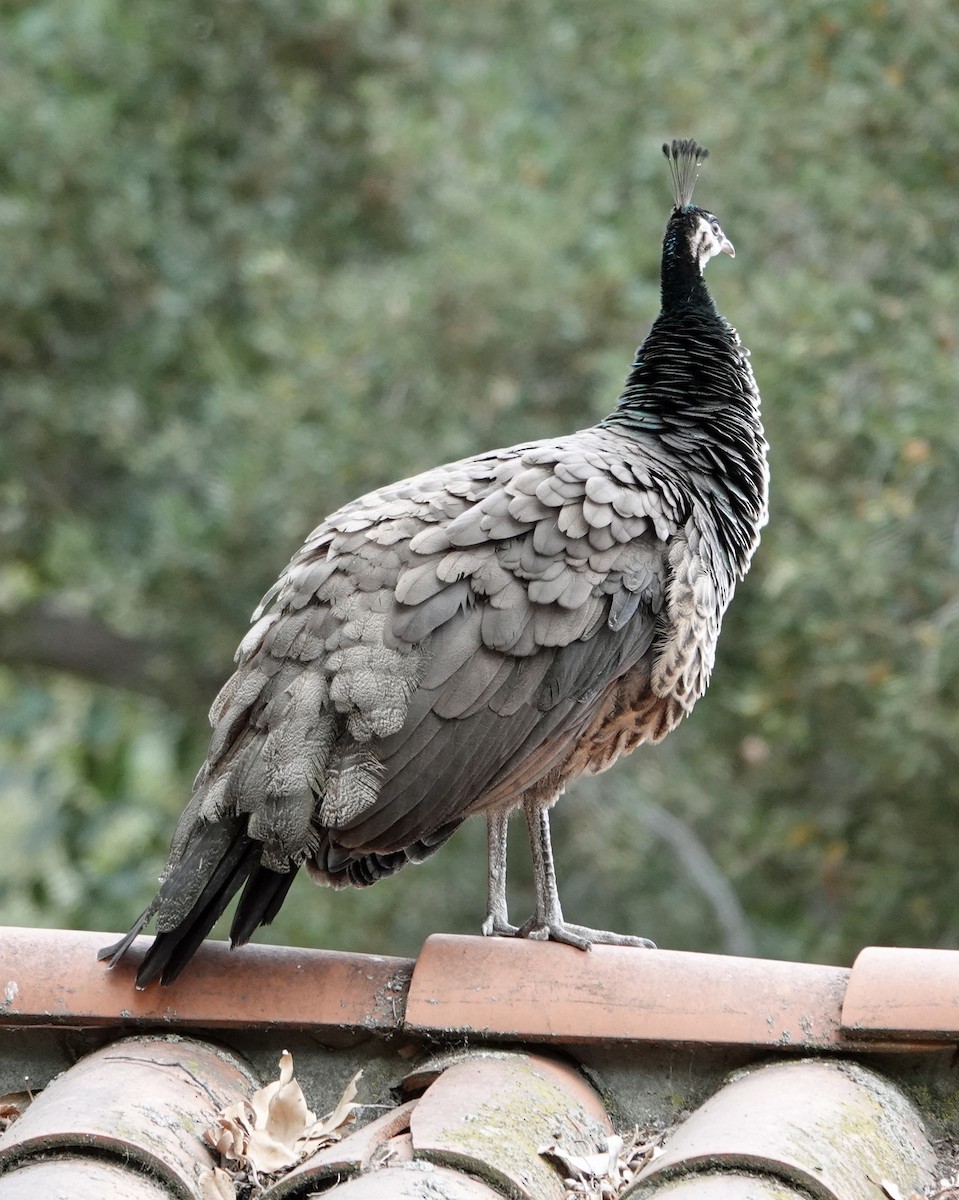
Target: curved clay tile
655, 1031
78, 1177
54, 973
143, 1100
418, 1181
524, 989
834, 1129
731, 1185
907, 994
491, 1113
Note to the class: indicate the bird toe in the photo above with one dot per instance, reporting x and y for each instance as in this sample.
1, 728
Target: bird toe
495, 926
580, 936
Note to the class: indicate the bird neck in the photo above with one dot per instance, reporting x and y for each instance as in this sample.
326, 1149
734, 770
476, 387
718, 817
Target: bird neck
685, 373
681, 278
691, 402
673, 369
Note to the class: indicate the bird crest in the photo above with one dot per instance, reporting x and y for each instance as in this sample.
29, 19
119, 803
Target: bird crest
685, 157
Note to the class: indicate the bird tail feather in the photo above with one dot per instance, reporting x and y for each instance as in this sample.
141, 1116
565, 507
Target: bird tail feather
260, 901
186, 910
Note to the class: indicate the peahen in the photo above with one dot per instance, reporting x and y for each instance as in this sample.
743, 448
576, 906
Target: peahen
474, 638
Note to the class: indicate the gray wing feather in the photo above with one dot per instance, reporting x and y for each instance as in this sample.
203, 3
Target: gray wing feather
435, 643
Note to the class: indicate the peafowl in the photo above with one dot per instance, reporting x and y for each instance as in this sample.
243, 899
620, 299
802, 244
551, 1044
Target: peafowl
474, 638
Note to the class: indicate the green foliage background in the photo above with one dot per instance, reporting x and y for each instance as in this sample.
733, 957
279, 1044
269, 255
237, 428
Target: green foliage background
257, 256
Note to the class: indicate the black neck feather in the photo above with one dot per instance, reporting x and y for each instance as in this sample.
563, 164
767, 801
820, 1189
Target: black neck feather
690, 348
691, 399
682, 283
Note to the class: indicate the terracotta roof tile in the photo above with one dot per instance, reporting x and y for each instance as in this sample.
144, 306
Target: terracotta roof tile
903, 994
418, 1181
496, 988
834, 1129
733, 1185
78, 1177
53, 975
143, 1099
521, 989
458, 1108
490, 1115
485, 1114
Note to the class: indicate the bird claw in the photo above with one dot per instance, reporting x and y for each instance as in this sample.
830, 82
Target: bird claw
580, 936
497, 926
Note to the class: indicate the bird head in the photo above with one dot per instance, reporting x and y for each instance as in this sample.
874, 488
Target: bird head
690, 225
705, 235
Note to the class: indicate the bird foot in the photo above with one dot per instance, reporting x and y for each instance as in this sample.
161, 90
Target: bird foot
498, 926
580, 936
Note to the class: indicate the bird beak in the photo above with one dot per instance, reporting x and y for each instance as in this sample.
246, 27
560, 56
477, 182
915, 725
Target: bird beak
727, 247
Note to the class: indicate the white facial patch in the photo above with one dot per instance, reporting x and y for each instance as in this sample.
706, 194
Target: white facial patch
709, 240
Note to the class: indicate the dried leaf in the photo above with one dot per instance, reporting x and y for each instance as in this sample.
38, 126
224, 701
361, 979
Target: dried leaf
216, 1185
586, 1166
607, 1172
12, 1105
326, 1129
281, 1106
231, 1134
274, 1129
266, 1155
281, 1118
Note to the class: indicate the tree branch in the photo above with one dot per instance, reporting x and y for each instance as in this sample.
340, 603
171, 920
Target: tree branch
44, 636
701, 869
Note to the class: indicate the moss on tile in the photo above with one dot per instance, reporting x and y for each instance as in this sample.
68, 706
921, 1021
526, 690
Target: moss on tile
501, 1139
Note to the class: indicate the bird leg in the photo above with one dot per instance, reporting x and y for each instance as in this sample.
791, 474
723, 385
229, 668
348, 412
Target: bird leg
497, 915
548, 924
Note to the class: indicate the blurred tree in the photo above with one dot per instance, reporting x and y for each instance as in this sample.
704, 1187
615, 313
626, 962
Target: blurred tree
259, 256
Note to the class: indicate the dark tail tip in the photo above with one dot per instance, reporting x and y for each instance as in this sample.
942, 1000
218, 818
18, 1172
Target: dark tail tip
261, 900
173, 948
112, 954
188, 922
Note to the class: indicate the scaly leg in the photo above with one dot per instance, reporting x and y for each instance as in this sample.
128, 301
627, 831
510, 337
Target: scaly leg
548, 922
497, 914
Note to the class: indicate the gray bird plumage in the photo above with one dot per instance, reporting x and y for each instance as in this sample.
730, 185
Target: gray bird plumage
472, 639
